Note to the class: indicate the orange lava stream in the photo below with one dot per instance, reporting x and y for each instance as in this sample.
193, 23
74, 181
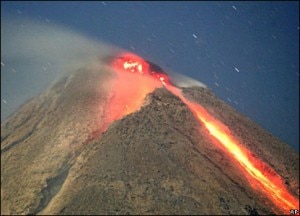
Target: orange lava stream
261, 176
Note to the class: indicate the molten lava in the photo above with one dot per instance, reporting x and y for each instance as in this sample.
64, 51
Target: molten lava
134, 64
129, 96
259, 175
128, 90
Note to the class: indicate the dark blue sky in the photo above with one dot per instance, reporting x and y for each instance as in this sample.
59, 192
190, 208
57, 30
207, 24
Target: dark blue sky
246, 52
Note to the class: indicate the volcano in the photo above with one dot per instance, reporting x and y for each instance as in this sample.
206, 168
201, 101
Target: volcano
101, 142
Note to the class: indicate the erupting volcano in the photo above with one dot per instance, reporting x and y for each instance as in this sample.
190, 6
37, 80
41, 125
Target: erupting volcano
130, 141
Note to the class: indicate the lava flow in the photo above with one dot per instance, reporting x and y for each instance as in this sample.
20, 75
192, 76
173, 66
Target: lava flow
259, 174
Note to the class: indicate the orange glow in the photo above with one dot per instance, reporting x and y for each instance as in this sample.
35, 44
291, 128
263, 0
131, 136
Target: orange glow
260, 176
129, 62
128, 92
133, 81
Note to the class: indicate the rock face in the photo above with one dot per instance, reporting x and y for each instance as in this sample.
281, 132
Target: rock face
158, 160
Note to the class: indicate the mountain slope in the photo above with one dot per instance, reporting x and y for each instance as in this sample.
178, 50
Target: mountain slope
158, 160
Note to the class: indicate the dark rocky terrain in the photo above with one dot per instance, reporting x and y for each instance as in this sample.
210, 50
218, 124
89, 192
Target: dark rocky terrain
158, 160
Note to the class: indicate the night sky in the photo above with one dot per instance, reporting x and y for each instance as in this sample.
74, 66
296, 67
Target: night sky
246, 52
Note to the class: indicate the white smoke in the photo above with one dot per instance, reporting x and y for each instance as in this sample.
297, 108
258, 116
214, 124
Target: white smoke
35, 43
185, 81
35, 54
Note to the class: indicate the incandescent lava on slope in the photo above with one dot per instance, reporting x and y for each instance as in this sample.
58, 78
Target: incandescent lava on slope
153, 155
260, 175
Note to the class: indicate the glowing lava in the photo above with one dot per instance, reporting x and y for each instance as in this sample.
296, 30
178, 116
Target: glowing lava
259, 174
134, 64
128, 90
130, 95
